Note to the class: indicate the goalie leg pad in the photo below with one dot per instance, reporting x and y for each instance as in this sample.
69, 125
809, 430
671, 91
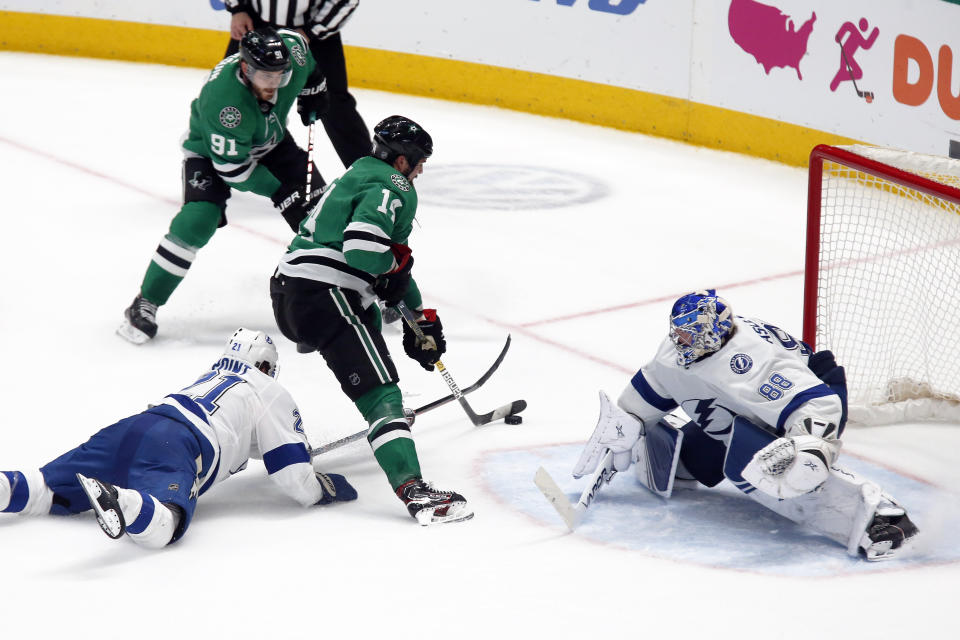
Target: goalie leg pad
656, 456
701, 455
844, 508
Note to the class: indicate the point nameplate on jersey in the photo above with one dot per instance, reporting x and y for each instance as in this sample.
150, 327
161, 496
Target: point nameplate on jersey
741, 363
402, 183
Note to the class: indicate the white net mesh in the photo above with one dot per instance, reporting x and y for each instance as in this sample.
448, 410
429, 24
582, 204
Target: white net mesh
889, 280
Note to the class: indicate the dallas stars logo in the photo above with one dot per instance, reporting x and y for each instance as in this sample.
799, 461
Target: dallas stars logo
200, 181
230, 117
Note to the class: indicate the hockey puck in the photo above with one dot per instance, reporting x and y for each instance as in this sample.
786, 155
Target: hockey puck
513, 419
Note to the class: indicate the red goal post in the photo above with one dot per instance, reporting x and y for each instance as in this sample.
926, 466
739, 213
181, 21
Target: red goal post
882, 278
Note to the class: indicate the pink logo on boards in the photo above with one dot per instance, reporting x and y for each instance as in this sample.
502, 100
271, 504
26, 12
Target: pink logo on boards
768, 34
849, 69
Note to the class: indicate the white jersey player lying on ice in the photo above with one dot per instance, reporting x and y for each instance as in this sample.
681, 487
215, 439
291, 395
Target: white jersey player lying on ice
767, 414
142, 475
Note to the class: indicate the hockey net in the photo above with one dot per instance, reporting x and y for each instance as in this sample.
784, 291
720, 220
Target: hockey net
882, 282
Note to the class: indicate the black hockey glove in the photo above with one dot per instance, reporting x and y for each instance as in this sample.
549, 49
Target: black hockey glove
392, 286
289, 200
313, 100
335, 488
429, 350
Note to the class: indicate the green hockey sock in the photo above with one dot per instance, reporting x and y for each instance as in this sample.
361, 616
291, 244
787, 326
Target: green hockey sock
190, 229
389, 434
158, 284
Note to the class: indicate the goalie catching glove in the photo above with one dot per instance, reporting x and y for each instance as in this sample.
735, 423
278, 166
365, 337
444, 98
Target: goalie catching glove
335, 488
797, 464
428, 350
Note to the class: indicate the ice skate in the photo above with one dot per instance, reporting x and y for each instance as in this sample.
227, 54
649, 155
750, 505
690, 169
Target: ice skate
139, 321
103, 499
890, 532
429, 505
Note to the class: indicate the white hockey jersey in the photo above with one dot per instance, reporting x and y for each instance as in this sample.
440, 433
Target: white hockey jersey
761, 373
242, 413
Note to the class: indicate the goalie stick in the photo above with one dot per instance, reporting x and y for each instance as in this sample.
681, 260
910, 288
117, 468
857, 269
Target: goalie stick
510, 409
573, 514
336, 444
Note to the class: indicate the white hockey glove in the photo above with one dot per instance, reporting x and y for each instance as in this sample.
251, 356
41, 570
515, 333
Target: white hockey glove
791, 467
617, 431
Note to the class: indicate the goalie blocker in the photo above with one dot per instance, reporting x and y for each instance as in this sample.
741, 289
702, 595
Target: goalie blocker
841, 505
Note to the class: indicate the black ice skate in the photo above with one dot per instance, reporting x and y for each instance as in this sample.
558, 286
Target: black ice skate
103, 499
890, 530
139, 321
432, 506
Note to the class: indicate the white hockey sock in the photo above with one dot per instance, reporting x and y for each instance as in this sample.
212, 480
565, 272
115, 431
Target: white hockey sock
149, 522
25, 493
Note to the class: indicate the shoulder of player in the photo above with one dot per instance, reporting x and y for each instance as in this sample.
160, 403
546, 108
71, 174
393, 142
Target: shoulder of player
377, 174
300, 56
229, 107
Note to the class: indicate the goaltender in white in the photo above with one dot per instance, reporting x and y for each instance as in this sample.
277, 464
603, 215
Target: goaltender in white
767, 414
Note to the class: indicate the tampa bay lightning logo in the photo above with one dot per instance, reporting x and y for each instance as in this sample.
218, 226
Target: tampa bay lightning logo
741, 363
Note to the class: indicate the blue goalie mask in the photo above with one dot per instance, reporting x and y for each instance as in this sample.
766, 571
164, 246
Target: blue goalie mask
699, 324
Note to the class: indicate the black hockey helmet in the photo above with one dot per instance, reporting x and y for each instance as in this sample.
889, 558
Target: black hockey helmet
400, 136
264, 50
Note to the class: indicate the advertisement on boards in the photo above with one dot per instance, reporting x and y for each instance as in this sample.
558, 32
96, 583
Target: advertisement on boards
881, 71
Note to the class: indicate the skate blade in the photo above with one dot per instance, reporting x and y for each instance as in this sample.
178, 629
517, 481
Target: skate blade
427, 517
884, 552
109, 520
131, 334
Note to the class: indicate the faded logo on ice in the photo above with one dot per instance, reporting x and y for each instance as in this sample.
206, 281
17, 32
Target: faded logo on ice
768, 34
507, 187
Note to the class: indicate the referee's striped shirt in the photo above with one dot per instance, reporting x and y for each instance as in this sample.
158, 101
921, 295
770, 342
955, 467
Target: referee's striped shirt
320, 18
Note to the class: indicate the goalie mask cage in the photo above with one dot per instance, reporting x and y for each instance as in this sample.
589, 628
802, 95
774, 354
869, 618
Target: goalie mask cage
882, 279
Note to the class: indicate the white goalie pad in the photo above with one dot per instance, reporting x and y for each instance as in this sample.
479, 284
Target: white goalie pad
617, 431
841, 509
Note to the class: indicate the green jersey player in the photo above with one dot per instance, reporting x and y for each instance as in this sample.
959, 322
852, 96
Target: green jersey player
351, 250
237, 139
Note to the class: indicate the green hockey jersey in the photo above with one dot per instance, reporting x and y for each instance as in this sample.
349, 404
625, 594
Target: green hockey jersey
347, 238
229, 126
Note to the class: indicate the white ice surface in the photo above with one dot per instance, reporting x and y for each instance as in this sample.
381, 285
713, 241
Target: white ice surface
90, 166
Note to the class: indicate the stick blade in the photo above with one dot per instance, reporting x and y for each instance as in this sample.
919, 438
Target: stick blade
555, 496
500, 412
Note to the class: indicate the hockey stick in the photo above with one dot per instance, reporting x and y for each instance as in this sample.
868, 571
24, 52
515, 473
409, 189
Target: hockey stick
303, 348
573, 514
513, 408
336, 444
866, 95
309, 159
